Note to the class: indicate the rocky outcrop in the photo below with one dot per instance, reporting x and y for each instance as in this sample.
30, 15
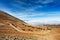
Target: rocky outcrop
17, 38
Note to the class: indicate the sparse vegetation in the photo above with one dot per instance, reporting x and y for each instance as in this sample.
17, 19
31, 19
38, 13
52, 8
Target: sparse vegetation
30, 30
17, 38
23, 29
14, 24
7, 32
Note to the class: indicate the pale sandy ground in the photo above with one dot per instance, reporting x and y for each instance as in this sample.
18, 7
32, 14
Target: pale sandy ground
50, 35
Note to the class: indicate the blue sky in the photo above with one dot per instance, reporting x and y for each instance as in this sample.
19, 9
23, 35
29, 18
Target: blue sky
33, 11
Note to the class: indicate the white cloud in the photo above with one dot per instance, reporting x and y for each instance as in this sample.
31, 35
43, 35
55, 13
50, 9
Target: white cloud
45, 1
44, 21
31, 9
52, 18
28, 14
47, 18
32, 14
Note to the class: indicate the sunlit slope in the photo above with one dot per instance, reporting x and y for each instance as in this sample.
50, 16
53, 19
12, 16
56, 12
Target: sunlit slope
11, 26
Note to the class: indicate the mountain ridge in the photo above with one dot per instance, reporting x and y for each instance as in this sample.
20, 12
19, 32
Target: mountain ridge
11, 16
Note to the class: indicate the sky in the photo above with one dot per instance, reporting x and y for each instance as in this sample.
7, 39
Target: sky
33, 11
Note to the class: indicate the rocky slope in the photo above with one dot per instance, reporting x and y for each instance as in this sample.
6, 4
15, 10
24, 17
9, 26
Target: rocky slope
12, 28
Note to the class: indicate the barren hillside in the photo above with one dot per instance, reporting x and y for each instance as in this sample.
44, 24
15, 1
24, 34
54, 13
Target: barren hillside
12, 28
